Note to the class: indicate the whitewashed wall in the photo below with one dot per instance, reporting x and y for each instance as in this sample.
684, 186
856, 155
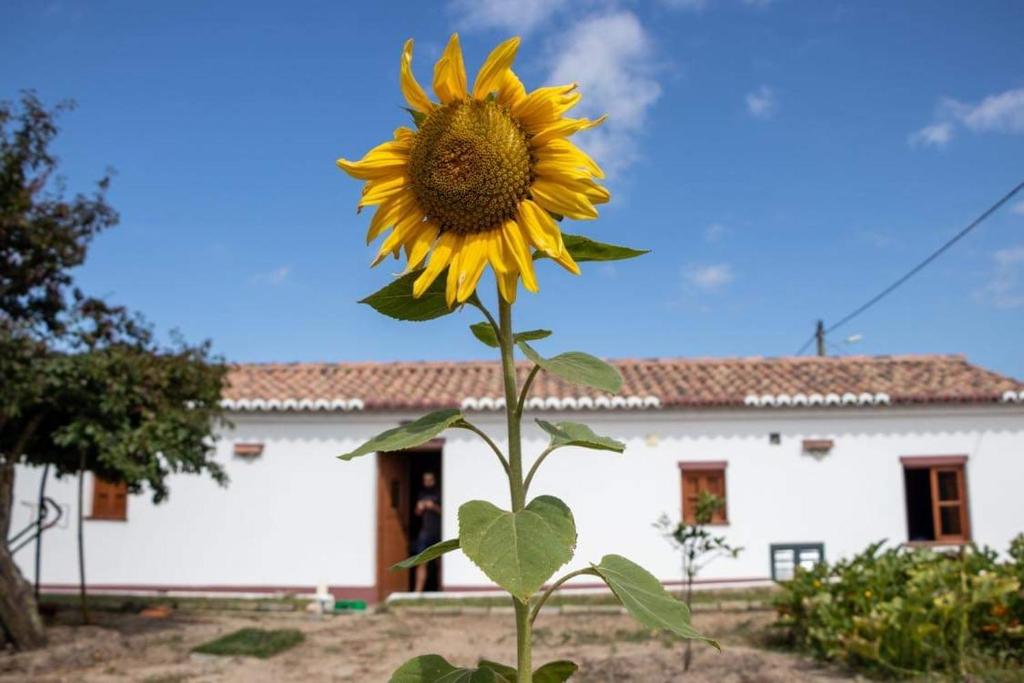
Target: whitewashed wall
296, 516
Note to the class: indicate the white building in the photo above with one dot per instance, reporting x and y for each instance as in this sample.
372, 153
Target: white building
810, 453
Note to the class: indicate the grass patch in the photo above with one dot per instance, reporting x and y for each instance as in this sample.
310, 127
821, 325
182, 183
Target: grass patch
253, 642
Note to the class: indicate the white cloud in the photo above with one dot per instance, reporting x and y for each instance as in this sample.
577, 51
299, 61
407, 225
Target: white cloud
1018, 209
710, 277
274, 277
715, 232
610, 56
935, 135
999, 113
519, 16
762, 103
1005, 288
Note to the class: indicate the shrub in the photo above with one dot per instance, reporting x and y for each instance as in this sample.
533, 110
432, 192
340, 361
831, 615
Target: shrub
905, 612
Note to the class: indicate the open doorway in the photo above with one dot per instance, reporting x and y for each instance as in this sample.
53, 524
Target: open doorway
400, 484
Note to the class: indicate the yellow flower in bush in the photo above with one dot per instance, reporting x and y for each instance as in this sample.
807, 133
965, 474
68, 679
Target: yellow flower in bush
481, 178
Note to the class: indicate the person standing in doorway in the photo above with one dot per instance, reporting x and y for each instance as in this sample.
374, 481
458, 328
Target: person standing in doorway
428, 508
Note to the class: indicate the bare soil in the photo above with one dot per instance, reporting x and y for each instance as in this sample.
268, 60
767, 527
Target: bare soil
368, 647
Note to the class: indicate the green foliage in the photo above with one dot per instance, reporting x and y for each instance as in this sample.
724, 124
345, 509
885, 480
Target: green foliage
409, 435
520, 550
576, 434
585, 249
84, 379
905, 612
552, 672
396, 300
253, 642
643, 596
436, 669
578, 368
486, 333
432, 553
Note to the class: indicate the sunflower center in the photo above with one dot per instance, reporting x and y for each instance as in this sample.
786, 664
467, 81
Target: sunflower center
470, 166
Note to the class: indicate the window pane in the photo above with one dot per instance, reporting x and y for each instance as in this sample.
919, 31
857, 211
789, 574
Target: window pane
949, 517
948, 488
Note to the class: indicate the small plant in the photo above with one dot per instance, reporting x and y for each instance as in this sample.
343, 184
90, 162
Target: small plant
697, 547
909, 612
485, 178
252, 642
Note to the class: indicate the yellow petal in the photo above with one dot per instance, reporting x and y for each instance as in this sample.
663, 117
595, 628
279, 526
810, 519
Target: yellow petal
566, 260
519, 250
540, 228
472, 263
499, 258
419, 244
439, 260
406, 227
411, 89
387, 214
563, 128
492, 73
507, 286
511, 92
562, 199
451, 289
450, 73
560, 150
379, 190
545, 106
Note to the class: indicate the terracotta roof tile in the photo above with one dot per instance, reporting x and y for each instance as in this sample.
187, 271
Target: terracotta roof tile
667, 382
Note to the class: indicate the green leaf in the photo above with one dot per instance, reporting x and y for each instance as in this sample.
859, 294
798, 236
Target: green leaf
485, 333
585, 249
576, 434
409, 435
418, 117
645, 598
530, 335
396, 299
519, 551
555, 672
436, 669
552, 672
504, 670
578, 368
432, 553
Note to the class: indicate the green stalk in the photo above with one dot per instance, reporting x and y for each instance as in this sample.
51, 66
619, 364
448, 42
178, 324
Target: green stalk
515, 474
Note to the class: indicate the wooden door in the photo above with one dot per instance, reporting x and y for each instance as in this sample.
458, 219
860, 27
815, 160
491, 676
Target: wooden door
393, 505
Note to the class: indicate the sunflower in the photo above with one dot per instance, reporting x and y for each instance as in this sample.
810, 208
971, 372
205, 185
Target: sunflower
482, 178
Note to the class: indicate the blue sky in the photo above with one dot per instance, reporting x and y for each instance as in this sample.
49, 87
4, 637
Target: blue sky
784, 160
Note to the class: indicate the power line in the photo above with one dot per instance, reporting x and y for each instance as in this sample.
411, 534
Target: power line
916, 269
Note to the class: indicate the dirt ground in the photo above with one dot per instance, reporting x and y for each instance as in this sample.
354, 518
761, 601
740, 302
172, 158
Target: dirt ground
368, 647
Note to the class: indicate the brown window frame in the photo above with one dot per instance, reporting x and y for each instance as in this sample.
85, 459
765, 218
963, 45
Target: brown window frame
116, 495
698, 470
956, 464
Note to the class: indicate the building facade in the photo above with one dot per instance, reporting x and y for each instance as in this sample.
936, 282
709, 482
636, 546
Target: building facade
815, 457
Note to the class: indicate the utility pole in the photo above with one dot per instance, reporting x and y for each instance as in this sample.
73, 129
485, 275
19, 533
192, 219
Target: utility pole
819, 335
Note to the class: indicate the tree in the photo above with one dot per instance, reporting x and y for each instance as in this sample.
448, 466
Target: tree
85, 386
697, 546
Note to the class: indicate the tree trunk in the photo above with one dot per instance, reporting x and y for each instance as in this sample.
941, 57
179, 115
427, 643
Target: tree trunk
83, 601
18, 614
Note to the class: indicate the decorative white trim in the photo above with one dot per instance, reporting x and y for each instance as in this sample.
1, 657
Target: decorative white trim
846, 399
1011, 396
305, 405
567, 403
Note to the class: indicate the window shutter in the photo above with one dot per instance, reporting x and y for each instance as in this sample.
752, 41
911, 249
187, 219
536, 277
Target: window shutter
109, 499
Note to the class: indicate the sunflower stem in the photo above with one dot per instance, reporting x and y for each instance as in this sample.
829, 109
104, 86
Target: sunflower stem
515, 474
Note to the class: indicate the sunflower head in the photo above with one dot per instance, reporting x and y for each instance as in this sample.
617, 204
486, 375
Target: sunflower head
480, 178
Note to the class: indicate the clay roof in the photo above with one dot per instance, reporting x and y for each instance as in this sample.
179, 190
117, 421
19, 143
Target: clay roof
647, 383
